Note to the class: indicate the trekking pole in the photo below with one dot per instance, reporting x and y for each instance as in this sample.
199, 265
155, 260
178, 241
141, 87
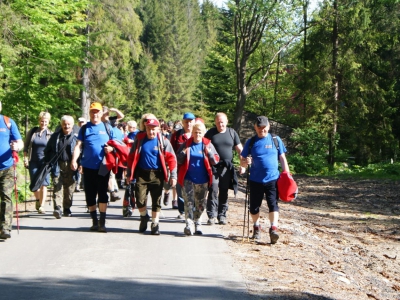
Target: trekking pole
15, 159
246, 206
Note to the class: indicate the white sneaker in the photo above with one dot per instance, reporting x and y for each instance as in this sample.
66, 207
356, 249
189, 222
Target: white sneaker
189, 229
41, 210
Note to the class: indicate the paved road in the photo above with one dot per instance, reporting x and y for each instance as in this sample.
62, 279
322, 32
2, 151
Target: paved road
62, 259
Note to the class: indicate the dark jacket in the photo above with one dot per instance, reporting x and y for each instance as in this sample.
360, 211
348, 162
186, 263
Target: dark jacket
51, 149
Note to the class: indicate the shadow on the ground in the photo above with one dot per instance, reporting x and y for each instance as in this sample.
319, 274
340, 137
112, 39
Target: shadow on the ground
138, 288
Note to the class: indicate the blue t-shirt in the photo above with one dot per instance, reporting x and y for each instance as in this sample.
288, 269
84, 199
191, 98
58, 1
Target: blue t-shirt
6, 136
131, 135
149, 157
93, 144
265, 158
118, 134
197, 172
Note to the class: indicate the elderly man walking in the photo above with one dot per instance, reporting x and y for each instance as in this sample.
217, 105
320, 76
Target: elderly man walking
10, 140
224, 140
61, 145
93, 138
262, 154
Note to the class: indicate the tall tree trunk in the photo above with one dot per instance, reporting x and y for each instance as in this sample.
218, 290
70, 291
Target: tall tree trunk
335, 85
85, 100
305, 8
276, 85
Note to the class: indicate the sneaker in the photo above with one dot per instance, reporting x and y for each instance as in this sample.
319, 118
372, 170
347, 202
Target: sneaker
37, 205
57, 212
189, 230
273, 234
166, 199
143, 223
212, 221
256, 232
5, 234
222, 220
198, 230
95, 226
175, 204
67, 212
114, 197
77, 190
155, 229
126, 212
41, 210
180, 216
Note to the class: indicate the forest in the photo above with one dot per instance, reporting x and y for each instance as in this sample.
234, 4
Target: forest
332, 74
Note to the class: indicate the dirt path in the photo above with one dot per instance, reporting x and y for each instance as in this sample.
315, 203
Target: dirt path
340, 239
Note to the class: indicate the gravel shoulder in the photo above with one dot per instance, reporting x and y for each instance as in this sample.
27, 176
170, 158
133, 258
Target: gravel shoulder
340, 239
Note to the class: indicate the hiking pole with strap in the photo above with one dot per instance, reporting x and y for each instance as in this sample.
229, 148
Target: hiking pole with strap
246, 205
15, 161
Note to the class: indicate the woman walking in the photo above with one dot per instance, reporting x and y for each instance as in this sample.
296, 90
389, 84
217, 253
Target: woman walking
35, 142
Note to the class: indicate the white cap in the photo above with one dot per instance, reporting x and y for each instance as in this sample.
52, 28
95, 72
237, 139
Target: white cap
81, 119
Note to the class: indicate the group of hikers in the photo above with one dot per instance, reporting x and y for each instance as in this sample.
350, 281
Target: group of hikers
155, 158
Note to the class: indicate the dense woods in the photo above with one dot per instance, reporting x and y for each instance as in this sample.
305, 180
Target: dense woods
331, 74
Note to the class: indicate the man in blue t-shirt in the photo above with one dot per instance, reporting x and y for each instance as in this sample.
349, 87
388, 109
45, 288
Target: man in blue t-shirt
261, 153
93, 137
10, 140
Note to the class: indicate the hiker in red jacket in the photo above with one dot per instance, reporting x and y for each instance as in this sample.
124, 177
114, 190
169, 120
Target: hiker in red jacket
147, 164
195, 157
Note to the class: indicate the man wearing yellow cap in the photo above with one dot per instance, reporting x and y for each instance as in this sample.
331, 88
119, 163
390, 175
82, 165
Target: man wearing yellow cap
93, 138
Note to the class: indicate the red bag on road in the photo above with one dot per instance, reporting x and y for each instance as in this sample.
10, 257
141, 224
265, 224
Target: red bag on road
287, 187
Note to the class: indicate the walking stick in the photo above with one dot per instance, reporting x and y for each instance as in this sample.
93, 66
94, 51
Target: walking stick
16, 159
246, 206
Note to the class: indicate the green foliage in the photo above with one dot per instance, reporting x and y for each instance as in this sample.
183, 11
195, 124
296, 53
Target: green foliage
22, 183
311, 150
371, 171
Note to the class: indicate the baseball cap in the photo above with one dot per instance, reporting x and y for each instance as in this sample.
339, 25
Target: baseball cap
96, 105
199, 120
177, 127
152, 122
189, 115
262, 121
81, 119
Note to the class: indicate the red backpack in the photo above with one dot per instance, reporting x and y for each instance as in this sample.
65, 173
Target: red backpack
287, 187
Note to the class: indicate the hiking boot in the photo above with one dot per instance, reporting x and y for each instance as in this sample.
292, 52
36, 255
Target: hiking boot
95, 226
212, 221
5, 234
57, 212
256, 232
175, 204
37, 205
222, 220
67, 212
41, 210
189, 230
198, 230
155, 230
114, 197
166, 199
273, 234
143, 223
102, 228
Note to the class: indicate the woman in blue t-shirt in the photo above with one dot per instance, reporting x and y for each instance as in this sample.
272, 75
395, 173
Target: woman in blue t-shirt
196, 156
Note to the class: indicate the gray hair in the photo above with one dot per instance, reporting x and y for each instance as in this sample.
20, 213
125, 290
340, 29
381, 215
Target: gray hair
67, 118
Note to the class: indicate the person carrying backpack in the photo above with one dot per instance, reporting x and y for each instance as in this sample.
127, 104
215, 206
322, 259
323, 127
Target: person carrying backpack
262, 154
10, 140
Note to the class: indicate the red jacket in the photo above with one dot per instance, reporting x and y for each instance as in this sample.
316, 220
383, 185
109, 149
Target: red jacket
167, 156
211, 157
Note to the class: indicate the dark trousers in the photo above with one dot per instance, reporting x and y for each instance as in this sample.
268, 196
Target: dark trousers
217, 201
96, 186
257, 192
149, 181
